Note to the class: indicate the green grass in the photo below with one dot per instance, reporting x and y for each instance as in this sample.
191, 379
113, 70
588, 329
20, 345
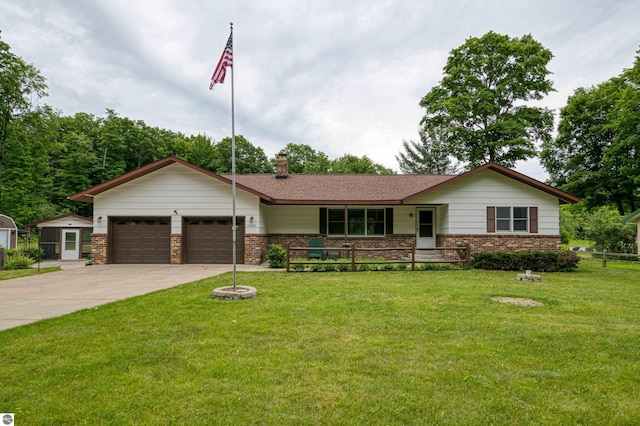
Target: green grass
377, 348
17, 273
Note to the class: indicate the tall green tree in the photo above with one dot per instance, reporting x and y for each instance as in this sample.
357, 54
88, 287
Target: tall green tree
304, 159
202, 152
20, 86
480, 108
74, 171
249, 158
596, 154
429, 156
351, 164
27, 181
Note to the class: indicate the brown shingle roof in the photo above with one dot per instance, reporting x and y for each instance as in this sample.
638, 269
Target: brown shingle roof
340, 189
330, 189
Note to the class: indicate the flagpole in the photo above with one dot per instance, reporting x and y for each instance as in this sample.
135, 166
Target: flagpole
233, 174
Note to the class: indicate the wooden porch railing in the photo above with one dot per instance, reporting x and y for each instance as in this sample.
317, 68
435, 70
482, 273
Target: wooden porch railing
335, 253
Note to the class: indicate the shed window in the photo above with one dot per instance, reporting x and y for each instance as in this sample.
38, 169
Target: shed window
50, 243
86, 242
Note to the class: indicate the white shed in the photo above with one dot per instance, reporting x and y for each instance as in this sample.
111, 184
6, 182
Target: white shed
8, 232
65, 237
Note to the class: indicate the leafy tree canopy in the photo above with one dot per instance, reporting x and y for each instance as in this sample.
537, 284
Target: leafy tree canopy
304, 159
351, 164
249, 158
596, 154
20, 85
480, 108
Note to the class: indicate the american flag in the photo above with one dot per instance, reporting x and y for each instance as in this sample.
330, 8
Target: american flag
226, 60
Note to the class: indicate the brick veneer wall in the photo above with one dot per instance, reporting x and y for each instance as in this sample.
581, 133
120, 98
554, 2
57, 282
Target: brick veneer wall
397, 240
99, 249
175, 249
255, 248
501, 242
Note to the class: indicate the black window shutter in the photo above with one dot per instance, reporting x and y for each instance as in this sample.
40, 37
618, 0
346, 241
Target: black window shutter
491, 219
389, 221
323, 221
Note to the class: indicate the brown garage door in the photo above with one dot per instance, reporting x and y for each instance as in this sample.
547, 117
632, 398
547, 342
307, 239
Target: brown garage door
141, 240
210, 240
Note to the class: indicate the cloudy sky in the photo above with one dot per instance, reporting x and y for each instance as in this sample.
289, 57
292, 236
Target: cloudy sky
340, 76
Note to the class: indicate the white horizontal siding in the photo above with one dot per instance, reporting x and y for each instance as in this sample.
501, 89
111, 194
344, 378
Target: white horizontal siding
178, 188
293, 219
467, 201
404, 220
306, 219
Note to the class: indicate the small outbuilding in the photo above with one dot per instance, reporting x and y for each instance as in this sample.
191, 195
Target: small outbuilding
634, 218
66, 237
8, 232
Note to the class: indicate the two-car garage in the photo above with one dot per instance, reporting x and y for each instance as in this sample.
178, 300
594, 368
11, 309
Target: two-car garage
147, 240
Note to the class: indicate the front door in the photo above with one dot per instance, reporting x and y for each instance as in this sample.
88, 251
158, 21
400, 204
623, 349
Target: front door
70, 244
426, 227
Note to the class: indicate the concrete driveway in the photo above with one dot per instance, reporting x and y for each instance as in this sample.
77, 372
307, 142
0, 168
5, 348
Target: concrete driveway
75, 287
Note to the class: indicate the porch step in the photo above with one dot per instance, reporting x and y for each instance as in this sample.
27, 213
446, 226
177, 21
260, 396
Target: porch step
427, 256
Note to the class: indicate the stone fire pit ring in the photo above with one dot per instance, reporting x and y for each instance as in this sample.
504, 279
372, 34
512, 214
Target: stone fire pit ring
241, 292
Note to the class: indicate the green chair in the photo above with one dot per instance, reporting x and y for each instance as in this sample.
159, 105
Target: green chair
315, 254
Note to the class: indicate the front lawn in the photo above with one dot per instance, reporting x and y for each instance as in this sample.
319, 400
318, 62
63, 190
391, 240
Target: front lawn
368, 348
17, 273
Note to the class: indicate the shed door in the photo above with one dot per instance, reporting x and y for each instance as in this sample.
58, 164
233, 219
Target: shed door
210, 240
141, 240
70, 244
5, 240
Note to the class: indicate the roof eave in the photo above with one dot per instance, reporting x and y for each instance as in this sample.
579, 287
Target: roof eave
88, 194
51, 219
632, 217
336, 202
564, 197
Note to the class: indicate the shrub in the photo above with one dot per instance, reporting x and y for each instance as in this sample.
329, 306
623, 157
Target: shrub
17, 261
344, 267
323, 267
363, 267
520, 261
386, 267
10, 252
605, 228
34, 253
277, 256
567, 261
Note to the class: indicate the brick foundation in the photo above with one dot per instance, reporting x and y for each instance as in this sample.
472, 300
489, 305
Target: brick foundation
99, 249
501, 242
256, 245
398, 240
175, 249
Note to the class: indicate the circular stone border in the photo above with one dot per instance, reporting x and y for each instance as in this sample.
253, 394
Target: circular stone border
516, 301
241, 292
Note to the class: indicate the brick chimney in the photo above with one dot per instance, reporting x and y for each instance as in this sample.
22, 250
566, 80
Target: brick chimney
282, 166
